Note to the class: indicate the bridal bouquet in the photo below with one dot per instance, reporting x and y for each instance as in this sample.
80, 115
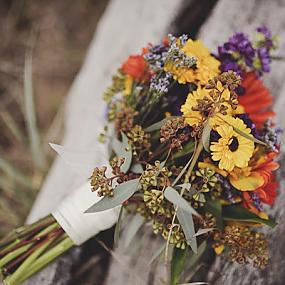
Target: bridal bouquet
192, 150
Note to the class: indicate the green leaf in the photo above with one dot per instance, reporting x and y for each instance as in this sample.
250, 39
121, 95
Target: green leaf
187, 149
174, 197
137, 168
194, 258
118, 228
132, 229
121, 193
206, 136
186, 221
123, 149
214, 207
240, 132
156, 126
238, 213
177, 264
195, 283
30, 116
247, 136
203, 231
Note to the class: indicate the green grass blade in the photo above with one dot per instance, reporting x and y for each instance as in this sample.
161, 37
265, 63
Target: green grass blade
30, 116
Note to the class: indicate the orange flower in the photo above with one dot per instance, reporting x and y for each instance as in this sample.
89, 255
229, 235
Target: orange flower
136, 67
267, 192
257, 175
257, 100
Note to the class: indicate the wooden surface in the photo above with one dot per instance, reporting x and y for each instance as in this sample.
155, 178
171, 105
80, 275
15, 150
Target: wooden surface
125, 27
118, 35
225, 20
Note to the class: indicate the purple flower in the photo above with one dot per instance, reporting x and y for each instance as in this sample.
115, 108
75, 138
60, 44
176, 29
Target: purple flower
241, 55
271, 135
265, 31
256, 200
264, 59
237, 50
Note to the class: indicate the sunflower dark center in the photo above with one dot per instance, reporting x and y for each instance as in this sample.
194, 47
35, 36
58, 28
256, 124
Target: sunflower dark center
206, 113
234, 144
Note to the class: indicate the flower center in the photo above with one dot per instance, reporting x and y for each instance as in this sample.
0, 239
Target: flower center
234, 144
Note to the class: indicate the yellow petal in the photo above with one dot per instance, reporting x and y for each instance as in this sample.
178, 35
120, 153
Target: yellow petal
248, 183
219, 249
263, 216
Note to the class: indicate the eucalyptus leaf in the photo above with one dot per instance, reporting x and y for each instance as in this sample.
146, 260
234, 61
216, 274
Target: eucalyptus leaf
187, 149
135, 224
186, 221
118, 228
240, 132
123, 149
177, 264
247, 136
174, 197
206, 136
162, 164
121, 193
203, 231
238, 213
82, 161
156, 126
137, 168
186, 186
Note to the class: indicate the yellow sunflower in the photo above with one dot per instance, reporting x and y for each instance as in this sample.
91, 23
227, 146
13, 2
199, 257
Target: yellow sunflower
189, 109
200, 106
232, 149
207, 65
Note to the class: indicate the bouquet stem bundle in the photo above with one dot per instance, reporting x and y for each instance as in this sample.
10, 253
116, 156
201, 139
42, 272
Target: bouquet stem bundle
30, 248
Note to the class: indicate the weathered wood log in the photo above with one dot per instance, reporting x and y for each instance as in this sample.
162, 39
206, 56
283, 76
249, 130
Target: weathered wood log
227, 18
126, 26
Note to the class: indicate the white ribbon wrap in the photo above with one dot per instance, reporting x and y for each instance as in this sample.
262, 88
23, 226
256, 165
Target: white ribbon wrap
81, 226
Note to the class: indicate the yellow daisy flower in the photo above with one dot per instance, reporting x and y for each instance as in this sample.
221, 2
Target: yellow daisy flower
232, 149
200, 106
207, 65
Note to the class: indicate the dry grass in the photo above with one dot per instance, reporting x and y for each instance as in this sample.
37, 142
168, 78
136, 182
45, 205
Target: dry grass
42, 47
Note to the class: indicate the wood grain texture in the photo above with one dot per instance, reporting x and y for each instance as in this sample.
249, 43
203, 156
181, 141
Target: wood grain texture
227, 18
125, 27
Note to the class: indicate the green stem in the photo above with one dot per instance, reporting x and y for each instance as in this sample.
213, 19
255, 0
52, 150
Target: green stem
15, 278
22, 232
192, 162
46, 258
14, 254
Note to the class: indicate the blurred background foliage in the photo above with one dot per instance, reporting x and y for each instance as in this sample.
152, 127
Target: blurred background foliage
42, 47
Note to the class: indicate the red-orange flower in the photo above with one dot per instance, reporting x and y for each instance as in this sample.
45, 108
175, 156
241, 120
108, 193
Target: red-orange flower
136, 67
257, 100
258, 173
267, 192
